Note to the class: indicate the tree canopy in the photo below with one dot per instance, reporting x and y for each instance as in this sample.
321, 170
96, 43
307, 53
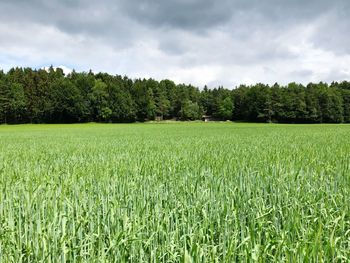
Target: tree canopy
50, 96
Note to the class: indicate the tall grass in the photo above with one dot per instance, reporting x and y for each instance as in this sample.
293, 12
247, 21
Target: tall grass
200, 192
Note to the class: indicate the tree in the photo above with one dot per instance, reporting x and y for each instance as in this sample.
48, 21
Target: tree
346, 104
12, 102
191, 111
226, 108
331, 105
293, 108
99, 100
68, 102
256, 103
162, 103
84, 82
143, 96
312, 104
48, 95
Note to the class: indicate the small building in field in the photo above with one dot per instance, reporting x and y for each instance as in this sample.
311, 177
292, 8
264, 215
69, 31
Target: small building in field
158, 118
207, 118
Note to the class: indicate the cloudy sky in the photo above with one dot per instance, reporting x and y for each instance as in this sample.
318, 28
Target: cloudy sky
203, 42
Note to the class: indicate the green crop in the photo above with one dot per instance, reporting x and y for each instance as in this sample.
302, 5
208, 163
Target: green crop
183, 192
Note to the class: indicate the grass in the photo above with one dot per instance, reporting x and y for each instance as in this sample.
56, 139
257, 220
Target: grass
183, 192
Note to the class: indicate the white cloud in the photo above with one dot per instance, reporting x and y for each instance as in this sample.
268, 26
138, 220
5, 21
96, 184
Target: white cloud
250, 43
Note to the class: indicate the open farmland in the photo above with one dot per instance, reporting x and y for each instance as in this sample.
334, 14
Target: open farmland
179, 192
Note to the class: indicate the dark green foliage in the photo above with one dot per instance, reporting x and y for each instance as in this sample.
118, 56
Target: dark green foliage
12, 102
48, 96
191, 111
225, 110
346, 104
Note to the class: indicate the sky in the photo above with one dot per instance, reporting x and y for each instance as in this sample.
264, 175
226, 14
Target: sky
202, 42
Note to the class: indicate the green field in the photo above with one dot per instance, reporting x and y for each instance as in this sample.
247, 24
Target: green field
180, 192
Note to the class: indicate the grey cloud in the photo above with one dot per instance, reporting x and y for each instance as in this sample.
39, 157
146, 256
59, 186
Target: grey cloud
181, 14
77, 18
302, 73
336, 75
242, 36
204, 14
332, 33
185, 14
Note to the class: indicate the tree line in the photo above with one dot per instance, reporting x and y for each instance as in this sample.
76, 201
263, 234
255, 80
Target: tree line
50, 96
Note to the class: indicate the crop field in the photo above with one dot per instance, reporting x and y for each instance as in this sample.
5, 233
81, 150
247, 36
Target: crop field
178, 192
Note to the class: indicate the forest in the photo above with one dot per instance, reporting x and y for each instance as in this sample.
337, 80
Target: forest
49, 96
